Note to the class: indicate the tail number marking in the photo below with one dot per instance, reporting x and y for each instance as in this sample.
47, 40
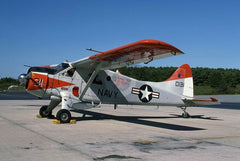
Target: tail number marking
179, 84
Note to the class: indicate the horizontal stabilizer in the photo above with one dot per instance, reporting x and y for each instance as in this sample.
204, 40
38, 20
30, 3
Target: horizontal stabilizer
196, 101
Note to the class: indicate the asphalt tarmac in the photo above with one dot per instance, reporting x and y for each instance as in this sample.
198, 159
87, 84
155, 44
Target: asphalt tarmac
128, 133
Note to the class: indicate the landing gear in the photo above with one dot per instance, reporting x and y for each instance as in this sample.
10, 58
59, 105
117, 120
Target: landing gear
45, 112
64, 116
185, 114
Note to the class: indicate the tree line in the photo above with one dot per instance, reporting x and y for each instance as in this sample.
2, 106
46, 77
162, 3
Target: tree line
6, 82
206, 80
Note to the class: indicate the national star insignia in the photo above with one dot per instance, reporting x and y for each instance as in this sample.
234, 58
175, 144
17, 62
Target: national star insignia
145, 93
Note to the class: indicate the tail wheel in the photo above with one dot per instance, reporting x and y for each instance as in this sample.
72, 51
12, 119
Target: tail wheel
64, 116
185, 115
43, 112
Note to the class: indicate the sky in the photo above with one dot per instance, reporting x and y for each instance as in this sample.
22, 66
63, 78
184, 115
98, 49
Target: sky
43, 32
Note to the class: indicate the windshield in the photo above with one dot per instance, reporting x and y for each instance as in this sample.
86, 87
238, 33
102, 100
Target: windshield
61, 67
50, 70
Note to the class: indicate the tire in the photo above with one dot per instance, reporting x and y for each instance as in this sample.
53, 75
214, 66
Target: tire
64, 116
43, 113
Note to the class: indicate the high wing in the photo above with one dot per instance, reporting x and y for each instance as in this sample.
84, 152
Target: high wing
137, 52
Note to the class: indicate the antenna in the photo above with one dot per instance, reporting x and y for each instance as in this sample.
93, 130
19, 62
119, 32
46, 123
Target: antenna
28, 66
90, 49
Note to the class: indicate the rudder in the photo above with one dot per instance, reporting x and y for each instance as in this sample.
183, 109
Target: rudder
184, 73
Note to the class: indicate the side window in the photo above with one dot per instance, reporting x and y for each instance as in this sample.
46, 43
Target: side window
70, 72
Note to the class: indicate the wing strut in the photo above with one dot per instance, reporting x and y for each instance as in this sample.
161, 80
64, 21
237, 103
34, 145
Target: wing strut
90, 80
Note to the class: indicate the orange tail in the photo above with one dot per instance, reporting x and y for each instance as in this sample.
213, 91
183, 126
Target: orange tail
184, 71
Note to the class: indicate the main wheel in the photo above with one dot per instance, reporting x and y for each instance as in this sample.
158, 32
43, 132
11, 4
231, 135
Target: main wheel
64, 116
43, 112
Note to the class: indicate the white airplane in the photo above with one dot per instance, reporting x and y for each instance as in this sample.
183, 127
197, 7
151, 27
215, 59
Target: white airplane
88, 82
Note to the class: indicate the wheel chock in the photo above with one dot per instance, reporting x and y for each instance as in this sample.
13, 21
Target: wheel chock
72, 121
39, 116
56, 122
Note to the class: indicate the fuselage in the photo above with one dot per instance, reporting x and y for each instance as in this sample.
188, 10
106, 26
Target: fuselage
108, 87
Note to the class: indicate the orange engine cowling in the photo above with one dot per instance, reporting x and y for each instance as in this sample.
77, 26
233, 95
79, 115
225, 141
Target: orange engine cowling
37, 81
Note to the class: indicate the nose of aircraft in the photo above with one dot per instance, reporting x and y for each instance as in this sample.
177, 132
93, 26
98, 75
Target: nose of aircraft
22, 78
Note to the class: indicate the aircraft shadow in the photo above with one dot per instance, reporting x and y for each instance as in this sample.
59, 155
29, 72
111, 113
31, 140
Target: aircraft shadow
135, 120
198, 117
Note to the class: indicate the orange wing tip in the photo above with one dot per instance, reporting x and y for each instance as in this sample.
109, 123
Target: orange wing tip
45, 66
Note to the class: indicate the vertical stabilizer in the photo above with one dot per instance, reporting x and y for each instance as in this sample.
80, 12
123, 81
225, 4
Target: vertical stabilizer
184, 75
184, 71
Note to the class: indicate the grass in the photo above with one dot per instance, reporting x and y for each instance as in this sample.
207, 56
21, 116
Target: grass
4, 87
204, 90
207, 90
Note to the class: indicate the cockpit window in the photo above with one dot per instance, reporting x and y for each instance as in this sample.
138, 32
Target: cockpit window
50, 70
70, 72
61, 67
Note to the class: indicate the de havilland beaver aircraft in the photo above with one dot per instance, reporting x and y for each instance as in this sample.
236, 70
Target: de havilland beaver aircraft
89, 82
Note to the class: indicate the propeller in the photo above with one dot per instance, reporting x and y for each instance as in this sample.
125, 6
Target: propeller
23, 78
